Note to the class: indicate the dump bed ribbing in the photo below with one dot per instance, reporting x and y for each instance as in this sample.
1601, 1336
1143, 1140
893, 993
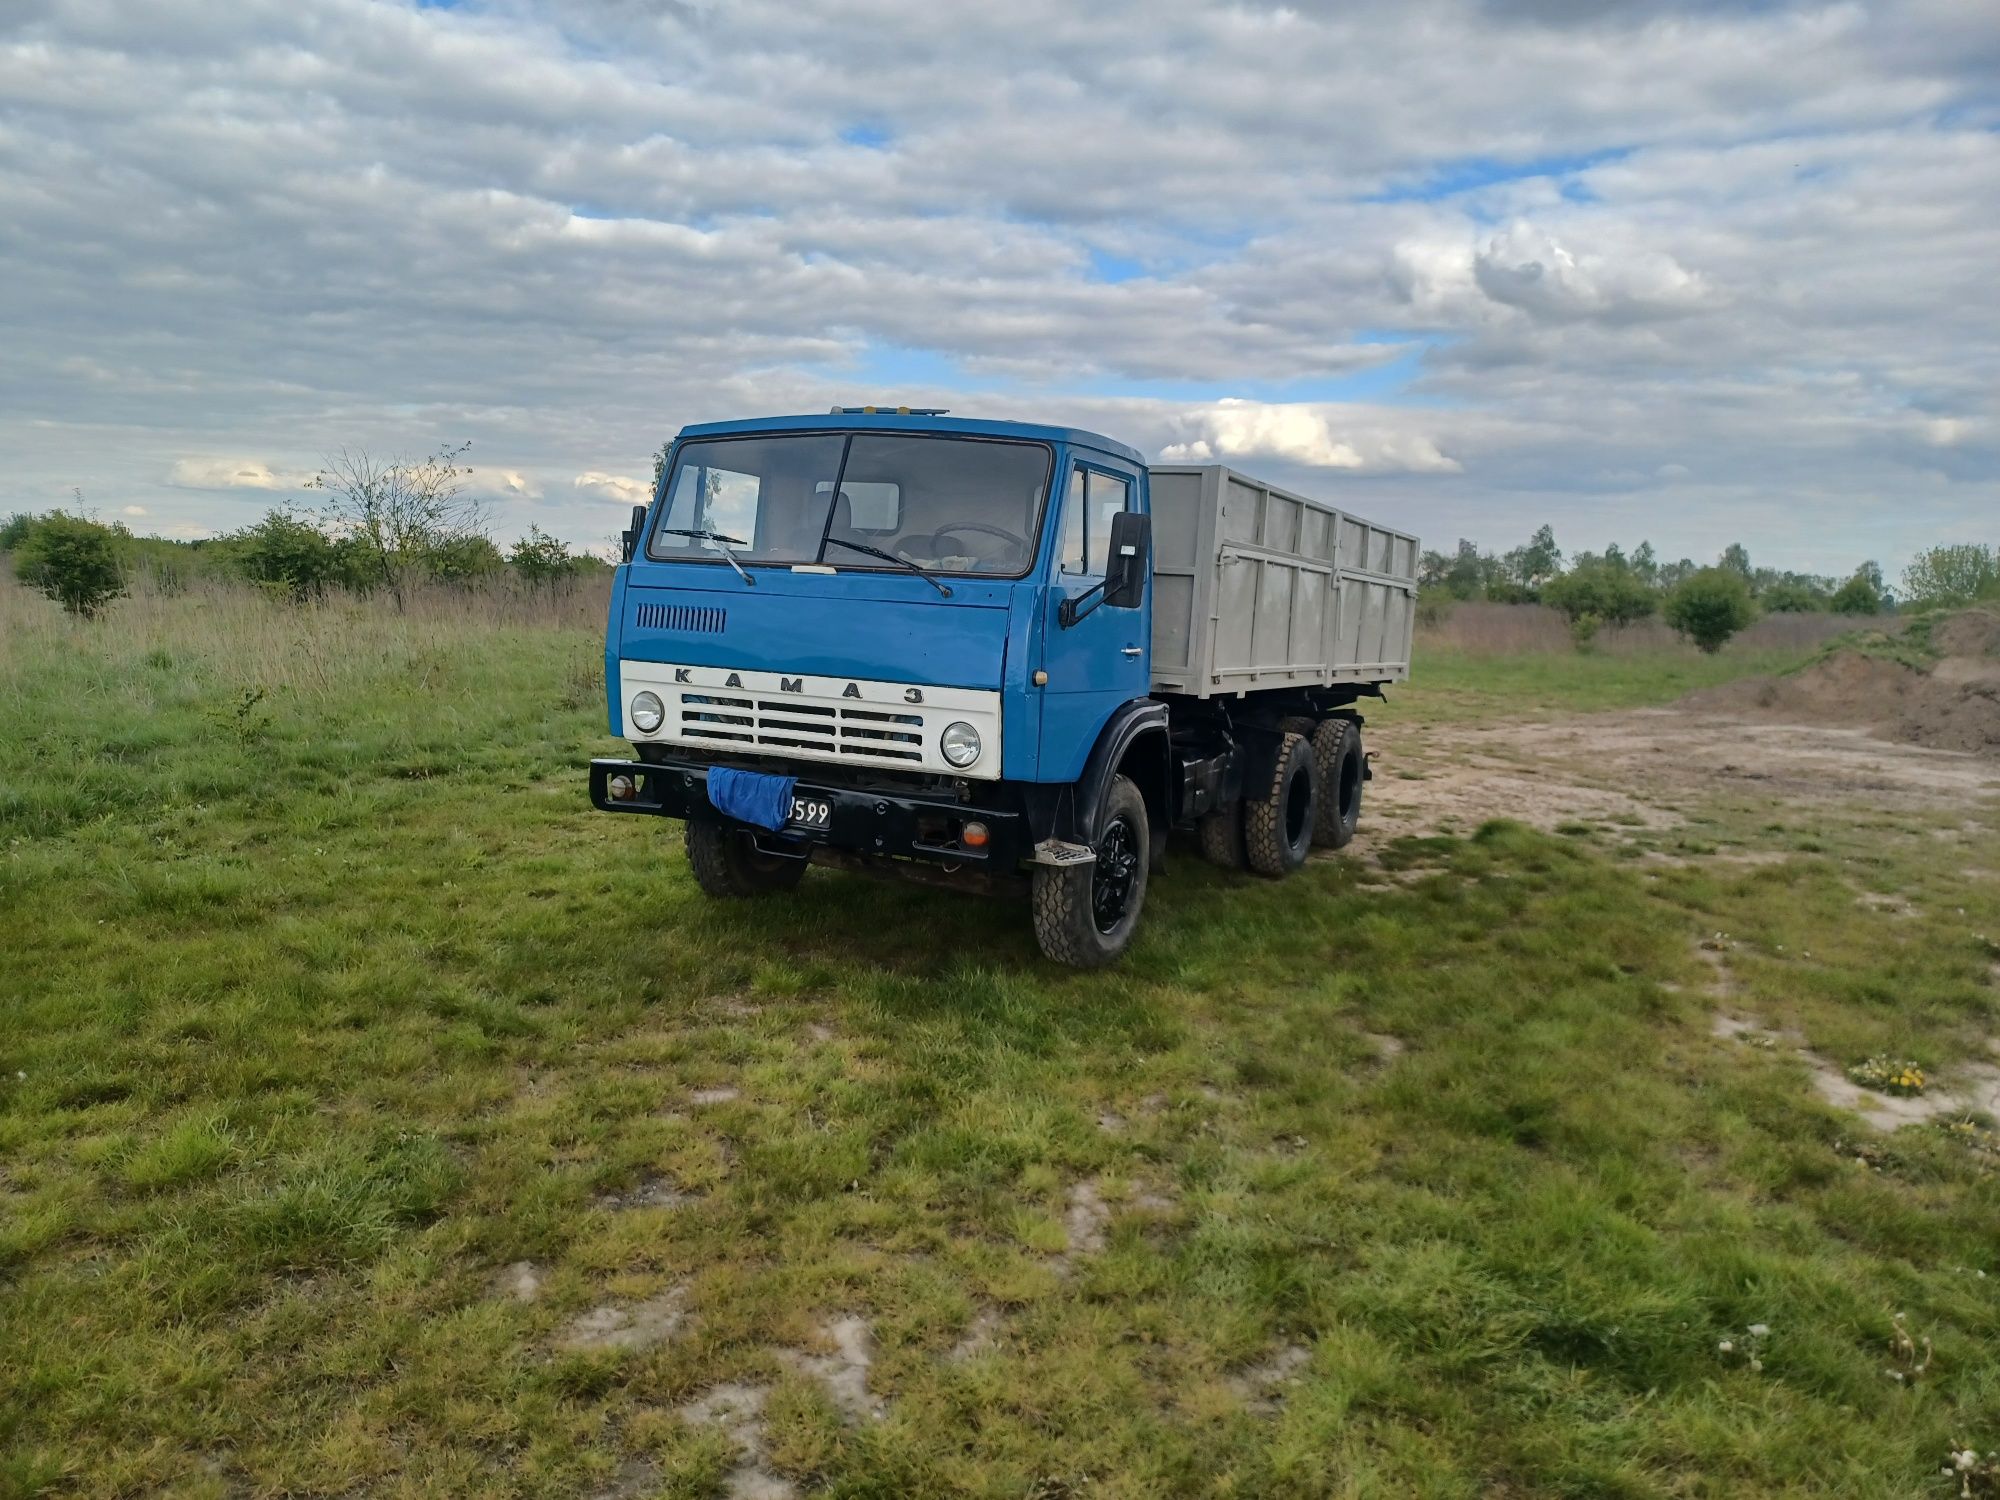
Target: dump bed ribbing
1255, 587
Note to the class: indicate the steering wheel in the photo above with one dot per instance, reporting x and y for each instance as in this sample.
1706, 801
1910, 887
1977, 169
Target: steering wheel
1000, 531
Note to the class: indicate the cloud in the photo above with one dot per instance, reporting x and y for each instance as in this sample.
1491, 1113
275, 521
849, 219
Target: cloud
233, 474
503, 484
1308, 436
615, 489
134, 510
1460, 256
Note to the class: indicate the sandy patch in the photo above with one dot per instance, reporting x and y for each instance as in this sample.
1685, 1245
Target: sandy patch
738, 1410
1261, 1387
1085, 1218
843, 1373
634, 1478
522, 1281
1971, 1087
628, 1325
654, 1192
722, 1094
981, 1334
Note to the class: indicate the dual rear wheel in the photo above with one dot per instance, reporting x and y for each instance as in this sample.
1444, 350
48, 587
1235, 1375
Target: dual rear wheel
1313, 797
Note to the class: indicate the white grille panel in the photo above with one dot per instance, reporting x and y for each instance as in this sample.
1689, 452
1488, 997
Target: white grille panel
851, 721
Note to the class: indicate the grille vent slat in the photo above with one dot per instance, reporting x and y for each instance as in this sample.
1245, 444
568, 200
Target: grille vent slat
700, 619
840, 732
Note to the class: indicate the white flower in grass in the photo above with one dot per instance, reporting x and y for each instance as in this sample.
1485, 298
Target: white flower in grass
1727, 1346
1760, 1330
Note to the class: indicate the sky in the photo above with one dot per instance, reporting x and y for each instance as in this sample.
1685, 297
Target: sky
1691, 273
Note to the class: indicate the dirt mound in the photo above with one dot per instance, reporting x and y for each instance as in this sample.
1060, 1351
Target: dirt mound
1972, 632
1847, 688
1953, 705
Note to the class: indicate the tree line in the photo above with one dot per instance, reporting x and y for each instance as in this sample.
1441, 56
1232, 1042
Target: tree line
382, 527
1707, 603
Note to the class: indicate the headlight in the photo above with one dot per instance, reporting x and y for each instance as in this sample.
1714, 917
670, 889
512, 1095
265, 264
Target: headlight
960, 744
648, 712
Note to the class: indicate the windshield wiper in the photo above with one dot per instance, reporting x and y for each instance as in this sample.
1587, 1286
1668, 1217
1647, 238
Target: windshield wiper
901, 562
722, 545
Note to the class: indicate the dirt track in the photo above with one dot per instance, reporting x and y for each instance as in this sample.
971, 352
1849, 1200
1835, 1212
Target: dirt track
1651, 769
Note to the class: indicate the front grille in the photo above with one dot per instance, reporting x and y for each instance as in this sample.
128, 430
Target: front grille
702, 619
862, 734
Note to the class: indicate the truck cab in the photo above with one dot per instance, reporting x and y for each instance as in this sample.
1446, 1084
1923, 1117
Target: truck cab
904, 643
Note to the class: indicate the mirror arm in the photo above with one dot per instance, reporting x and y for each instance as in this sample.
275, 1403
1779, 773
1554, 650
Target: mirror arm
1071, 610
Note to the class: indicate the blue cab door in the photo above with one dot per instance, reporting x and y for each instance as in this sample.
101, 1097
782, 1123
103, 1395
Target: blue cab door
1103, 660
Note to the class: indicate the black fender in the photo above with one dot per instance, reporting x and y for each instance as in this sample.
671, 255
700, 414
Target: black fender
1139, 726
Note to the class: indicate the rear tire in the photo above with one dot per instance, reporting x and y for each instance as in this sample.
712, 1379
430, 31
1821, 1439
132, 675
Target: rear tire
1342, 770
1222, 837
1085, 915
729, 867
1278, 826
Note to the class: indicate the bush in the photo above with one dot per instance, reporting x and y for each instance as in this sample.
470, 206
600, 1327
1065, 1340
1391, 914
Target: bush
286, 555
1792, 598
542, 561
1857, 596
462, 559
1952, 575
1710, 607
73, 561
1608, 590
14, 530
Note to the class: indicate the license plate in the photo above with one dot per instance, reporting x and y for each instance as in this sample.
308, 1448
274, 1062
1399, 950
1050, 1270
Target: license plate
811, 812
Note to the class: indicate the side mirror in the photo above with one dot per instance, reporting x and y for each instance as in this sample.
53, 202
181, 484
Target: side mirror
633, 533
1130, 561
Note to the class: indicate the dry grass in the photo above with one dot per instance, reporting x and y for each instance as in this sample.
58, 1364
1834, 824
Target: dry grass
1520, 629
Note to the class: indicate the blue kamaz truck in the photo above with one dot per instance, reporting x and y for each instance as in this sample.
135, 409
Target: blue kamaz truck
994, 655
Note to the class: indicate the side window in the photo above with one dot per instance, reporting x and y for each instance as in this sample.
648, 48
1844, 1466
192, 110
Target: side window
1092, 501
1108, 496
1074, 508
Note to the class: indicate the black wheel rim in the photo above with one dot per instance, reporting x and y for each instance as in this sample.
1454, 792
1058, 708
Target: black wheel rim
1114, 875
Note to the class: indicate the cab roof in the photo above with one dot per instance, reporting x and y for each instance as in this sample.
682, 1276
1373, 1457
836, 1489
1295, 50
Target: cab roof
888, 419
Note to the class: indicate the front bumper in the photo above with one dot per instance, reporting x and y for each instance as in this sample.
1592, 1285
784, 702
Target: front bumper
863, 822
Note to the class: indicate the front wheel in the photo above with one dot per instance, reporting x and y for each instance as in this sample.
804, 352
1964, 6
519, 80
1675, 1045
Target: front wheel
729, 866
1085, 915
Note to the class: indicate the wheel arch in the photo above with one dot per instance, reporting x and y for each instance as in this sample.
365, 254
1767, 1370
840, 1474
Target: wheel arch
1133, 743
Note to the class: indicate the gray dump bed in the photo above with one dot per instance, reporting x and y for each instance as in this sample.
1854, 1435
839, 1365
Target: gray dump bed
1255, 587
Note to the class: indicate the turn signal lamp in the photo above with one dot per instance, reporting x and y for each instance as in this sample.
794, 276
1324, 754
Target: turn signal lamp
974, 835
622, 788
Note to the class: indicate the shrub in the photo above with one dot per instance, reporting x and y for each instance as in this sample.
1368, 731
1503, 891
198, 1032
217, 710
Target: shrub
14, 530
462, 559
1792, 598
286, 554
542, 561
1710, 607
1857, 596
73, 561
1611, 591
1952, 575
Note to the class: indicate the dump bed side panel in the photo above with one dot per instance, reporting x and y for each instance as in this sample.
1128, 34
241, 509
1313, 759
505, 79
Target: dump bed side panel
1257, 587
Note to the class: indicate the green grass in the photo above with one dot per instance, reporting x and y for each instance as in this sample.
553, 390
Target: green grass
315, 1014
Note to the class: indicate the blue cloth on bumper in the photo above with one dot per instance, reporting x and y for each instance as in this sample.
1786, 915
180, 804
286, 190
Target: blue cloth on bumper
765, 801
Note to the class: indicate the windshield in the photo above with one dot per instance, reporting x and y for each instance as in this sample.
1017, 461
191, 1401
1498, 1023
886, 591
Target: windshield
947, 505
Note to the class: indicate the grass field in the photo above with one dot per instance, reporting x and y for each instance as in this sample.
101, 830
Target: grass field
375, 1119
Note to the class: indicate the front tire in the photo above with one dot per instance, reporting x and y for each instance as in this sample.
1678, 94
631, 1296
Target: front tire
1085, 915
730, 867
1278, 826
